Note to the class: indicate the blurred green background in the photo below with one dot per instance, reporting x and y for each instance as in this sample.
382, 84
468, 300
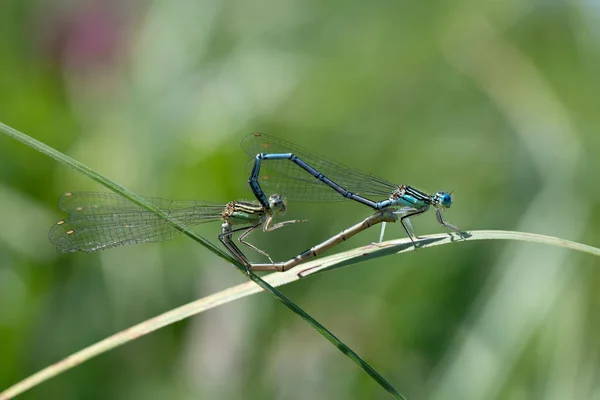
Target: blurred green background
495, 100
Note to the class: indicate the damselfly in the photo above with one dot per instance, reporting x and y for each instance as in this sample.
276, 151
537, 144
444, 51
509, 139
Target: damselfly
305, 176
98, 221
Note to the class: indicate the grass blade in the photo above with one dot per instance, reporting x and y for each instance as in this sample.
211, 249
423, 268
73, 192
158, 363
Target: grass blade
325, 264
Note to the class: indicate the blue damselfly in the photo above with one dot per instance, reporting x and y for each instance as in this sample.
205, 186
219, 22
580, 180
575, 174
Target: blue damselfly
305, 176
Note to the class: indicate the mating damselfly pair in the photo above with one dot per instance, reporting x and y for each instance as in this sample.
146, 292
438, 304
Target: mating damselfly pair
98, 221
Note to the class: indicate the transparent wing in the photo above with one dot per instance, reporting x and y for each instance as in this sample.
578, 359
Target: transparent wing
98, 221
285, 177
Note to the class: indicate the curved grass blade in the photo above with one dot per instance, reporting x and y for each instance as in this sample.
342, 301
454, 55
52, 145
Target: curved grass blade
325, 264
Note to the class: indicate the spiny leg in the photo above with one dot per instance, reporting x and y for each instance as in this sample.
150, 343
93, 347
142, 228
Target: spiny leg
408, 225
382, 232
268, 227
246, 233
447, 225
403, 210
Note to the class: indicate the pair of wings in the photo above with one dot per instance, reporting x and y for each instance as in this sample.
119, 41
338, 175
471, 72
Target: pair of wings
288, 179
98, 221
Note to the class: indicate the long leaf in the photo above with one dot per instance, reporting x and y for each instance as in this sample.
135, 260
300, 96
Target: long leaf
325, 264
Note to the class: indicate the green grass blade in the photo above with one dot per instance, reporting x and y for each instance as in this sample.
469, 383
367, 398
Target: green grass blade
325, 264
72, 163
397, 246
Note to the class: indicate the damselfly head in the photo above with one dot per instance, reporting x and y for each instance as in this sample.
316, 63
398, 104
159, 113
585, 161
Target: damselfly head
276, 203
443, 199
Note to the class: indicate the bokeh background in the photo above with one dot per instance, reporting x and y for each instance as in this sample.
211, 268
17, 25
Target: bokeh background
495, 100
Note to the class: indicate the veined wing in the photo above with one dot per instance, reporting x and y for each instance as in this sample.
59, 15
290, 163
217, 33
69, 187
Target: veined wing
98, 221
287, 178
